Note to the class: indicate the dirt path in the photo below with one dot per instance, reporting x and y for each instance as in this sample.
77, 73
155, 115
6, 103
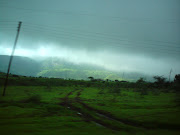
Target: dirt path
86, 112
107, 115
86, 116
111, 117
99, 116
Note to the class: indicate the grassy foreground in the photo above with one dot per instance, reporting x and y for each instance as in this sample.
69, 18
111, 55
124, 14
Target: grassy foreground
77, 109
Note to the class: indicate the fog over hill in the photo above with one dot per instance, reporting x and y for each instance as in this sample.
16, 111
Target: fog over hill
60, 68
140, 36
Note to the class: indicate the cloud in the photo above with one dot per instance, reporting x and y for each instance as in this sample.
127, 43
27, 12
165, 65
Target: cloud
122, 62
120, 35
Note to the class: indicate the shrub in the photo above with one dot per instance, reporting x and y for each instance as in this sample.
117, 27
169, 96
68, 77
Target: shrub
143, 92
156, 92
48, 87
101, 92
88, 85
53, 109
141, 80
177, 83
34, 99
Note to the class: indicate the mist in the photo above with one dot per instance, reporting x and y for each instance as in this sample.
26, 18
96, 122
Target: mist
124, 36
113, 61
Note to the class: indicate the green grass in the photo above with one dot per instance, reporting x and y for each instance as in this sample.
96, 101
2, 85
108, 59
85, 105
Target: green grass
131, 105
38, 120
19, 116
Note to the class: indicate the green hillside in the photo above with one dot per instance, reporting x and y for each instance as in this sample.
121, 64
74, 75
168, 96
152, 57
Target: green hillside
59, 68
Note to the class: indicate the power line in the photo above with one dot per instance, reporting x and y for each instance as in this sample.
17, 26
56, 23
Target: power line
97, 33
115, 44
85, 13
7, 21
97, 36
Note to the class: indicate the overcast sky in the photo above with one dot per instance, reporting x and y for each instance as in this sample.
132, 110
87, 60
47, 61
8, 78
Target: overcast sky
121, 35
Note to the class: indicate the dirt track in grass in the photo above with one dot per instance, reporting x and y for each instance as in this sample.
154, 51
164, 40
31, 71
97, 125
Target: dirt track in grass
101, 117
97, 117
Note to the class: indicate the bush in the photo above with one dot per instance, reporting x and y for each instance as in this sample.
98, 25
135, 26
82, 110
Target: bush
53, 109
48, 87
177, 83
141, 80
34, 99
156, 92
101, 92
143, 92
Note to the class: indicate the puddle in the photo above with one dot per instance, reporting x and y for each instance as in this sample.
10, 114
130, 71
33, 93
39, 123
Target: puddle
79, 113
99, 125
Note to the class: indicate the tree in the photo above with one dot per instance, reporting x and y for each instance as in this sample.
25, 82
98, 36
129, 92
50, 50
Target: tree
141, 80
177, 79
91, 78
177, 83
159, 81
140, 83
116, 80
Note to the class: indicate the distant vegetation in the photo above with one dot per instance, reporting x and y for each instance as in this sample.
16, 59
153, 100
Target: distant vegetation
160, 82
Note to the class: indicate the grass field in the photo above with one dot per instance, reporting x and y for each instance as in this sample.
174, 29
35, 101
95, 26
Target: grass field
78, 109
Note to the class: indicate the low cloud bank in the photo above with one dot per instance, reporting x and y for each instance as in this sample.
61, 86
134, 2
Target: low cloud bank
123, 62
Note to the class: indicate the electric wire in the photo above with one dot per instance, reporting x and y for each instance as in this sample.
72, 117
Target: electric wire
115, 44
85, 13
101, 37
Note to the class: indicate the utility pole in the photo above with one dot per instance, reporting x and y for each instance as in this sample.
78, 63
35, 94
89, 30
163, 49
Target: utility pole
170, 74
11, 58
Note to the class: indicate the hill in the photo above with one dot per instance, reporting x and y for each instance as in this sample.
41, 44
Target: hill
60, 68
20, 65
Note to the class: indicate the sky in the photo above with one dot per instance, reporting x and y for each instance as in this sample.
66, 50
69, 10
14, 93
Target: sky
120, 35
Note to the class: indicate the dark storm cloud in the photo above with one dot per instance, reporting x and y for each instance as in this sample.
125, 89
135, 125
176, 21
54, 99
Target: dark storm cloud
139, 35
